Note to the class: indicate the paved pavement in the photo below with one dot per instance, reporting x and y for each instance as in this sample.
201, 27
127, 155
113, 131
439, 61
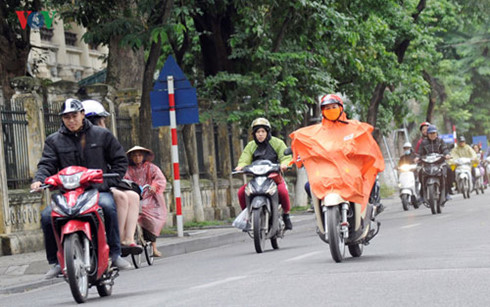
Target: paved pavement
23, 272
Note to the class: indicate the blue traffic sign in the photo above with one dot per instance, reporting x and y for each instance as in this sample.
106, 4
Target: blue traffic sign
186, 107
447, 138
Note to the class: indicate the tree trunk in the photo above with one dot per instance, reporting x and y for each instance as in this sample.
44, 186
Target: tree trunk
150, 66
190, 143
125, 67
372, 115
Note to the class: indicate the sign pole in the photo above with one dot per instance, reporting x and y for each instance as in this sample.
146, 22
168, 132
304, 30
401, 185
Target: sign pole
454, 135
175, 156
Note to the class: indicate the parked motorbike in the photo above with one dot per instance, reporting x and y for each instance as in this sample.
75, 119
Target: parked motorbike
78, 224
408, 186
464, 181
433, 181
263, 208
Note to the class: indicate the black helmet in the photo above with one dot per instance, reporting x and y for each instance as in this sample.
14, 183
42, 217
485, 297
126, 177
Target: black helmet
462, 139
71, 105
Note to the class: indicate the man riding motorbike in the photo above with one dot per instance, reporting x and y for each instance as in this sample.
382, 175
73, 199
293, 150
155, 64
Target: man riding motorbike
423, 130
433, 144
408, 155
80, 143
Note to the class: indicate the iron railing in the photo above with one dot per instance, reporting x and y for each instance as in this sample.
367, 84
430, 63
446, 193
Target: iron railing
14, 125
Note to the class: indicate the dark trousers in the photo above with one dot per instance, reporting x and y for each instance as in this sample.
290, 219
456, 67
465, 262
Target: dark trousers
106, 202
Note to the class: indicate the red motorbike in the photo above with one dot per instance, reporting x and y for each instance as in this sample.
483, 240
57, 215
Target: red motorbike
78, 224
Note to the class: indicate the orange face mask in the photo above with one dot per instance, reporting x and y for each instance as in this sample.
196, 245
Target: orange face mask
332, 114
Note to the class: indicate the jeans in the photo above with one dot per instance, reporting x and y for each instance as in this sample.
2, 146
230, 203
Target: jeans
106, 202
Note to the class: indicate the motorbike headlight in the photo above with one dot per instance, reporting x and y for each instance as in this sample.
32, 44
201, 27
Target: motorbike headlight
249, 189
272, 189
405, 167
71, 182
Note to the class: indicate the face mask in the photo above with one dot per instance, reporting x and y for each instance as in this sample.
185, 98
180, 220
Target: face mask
407, 152
332, 114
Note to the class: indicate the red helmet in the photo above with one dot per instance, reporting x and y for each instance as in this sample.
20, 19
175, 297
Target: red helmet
424, 124
330, 99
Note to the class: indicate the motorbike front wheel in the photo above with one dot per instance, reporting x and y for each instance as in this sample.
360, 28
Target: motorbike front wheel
405, 201
75, 268
104, 290
355, 250
259, 223
433, 198
335, 236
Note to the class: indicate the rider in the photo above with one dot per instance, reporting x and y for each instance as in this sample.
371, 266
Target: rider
349, 151
408, 155
434, 144
423, 130
464, 150
127, 201
266, 147
78, 142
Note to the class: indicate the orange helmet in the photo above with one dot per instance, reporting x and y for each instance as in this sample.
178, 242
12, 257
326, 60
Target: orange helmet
330, 99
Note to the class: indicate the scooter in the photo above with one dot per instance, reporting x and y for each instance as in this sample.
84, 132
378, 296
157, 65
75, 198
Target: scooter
479, 180
464, 181
263, 208
408, 186
486, 165
433, 181
78, 224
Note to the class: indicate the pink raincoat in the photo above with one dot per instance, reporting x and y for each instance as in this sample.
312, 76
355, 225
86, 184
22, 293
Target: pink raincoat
154, 210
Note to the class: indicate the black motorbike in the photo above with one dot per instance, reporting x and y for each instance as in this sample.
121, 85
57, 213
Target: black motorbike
263, 204
434, 181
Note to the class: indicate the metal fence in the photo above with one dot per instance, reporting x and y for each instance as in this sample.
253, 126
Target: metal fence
52, 119
14, 125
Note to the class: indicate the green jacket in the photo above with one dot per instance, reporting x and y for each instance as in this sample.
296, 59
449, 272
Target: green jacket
277, 144
464, 152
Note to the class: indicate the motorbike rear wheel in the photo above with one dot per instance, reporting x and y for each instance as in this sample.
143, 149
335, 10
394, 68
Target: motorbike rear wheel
259, 227
104, 290
75, 268
335, 237
405, 201
355, 250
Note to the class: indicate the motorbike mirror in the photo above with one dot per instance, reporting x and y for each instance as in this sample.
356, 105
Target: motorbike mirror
288, 151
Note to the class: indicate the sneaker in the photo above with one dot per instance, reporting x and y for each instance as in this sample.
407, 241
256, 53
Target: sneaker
121, 264
287, 221
53, 272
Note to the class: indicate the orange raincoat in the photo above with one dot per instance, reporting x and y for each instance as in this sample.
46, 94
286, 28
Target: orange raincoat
340, 157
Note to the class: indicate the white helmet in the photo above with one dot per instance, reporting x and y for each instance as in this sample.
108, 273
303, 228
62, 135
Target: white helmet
406, 145
94, 108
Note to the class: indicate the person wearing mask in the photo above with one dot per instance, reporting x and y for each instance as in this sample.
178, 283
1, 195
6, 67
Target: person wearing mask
266, 147
340, 155
408, 155
434, 144
78, 142
127, 200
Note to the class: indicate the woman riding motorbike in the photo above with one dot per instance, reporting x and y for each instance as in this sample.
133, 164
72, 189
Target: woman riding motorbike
266, 147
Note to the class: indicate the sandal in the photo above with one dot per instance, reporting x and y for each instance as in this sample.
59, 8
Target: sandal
132, 248
156, 253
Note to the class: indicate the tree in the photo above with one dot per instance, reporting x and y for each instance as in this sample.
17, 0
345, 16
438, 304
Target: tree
14, 41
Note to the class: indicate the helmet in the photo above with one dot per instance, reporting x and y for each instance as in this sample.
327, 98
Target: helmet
407, 145
423, 125
462, 139
261, 123
330, 99
94, 108
71, 105
432, 129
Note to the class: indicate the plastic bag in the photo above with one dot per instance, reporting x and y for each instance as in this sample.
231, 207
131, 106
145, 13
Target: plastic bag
241, 220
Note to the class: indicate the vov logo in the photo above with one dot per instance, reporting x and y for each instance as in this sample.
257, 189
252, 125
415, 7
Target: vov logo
35, 20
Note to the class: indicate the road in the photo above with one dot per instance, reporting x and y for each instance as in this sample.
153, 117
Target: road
418, 259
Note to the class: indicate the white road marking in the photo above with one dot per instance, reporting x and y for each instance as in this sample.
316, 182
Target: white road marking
303, 256
409, 226
219, 282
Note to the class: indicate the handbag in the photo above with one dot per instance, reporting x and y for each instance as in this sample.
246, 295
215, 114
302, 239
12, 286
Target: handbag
128, 185
241, 220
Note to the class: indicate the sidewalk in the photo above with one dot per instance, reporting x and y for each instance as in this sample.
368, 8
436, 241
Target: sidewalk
23, 272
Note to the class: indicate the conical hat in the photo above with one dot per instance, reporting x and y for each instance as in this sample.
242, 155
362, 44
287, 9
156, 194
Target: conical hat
151, 155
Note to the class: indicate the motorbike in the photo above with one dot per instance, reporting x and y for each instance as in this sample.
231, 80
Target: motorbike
433, 181
78, 224
464, 181
408, 186
486, 165
263, 208
479, 180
